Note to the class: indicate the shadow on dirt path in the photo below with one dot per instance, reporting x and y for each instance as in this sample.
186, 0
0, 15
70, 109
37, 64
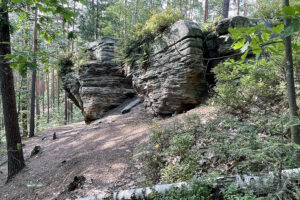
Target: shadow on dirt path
101, 151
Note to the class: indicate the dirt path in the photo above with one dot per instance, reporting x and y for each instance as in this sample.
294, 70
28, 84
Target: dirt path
101, 151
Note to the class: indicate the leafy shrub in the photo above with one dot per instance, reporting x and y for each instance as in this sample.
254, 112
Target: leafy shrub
196, 191
232, 192
223, 146
242, 85
158, 23
135, 46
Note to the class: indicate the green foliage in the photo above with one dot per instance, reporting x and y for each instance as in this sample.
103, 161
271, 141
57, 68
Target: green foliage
226, 145
195, 191
135, 46
242, 85
232, 192
158, 23
267, 9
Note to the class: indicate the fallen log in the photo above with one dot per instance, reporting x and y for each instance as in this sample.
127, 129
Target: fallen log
258, 183
130, 106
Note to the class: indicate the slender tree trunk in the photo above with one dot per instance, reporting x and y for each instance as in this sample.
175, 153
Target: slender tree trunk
125, 18
58, 86
237, 7
225, 11
66, 108
290, 83
73, 28
58, 92
19, 96
24, 107
33, 79
37, 99
206, 11
42, 92
25, 98
97, 19
245, 8
13, 138
65, 97
53, 89
71, 111
48, 98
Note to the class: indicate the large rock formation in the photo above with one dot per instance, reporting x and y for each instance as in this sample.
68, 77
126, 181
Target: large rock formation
171, 75
177, 71
217, 44
98, 84
173, 80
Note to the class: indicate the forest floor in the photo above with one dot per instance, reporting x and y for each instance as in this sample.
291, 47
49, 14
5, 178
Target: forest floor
101, 152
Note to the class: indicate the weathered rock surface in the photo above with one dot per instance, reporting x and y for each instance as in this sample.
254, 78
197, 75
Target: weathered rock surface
98, 85
174, 78
217, 44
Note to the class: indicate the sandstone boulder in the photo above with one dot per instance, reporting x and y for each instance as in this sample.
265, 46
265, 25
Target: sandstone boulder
97, 85
174, 78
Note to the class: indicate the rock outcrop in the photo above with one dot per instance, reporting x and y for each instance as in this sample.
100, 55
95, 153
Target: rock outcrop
217, 44
97, 85
170, 76
173, 80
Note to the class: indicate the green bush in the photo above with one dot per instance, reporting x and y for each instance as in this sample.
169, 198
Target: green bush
196, 191
244, 85
223, 146
234, 193
134, 47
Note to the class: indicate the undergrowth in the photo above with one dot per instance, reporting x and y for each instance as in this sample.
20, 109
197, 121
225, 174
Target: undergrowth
223, 146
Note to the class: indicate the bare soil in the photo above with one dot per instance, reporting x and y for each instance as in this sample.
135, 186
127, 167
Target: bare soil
101, 152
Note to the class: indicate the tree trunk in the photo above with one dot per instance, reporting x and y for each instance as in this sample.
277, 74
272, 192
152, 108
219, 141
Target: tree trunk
58, 92
97, 19
58, 86
33, 79
24, 107
66, 108
48, 98
237, 7
25, 99
42, 92
53, 89
261, 185
13, 138
290, 83
245, 8
73, 28
37, 100
125, 18
225, 11
206, 11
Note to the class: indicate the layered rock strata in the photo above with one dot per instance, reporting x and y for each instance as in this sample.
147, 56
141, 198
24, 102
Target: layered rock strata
174, 78
98, 85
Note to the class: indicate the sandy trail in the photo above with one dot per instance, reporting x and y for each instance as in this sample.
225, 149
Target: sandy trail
101, 151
